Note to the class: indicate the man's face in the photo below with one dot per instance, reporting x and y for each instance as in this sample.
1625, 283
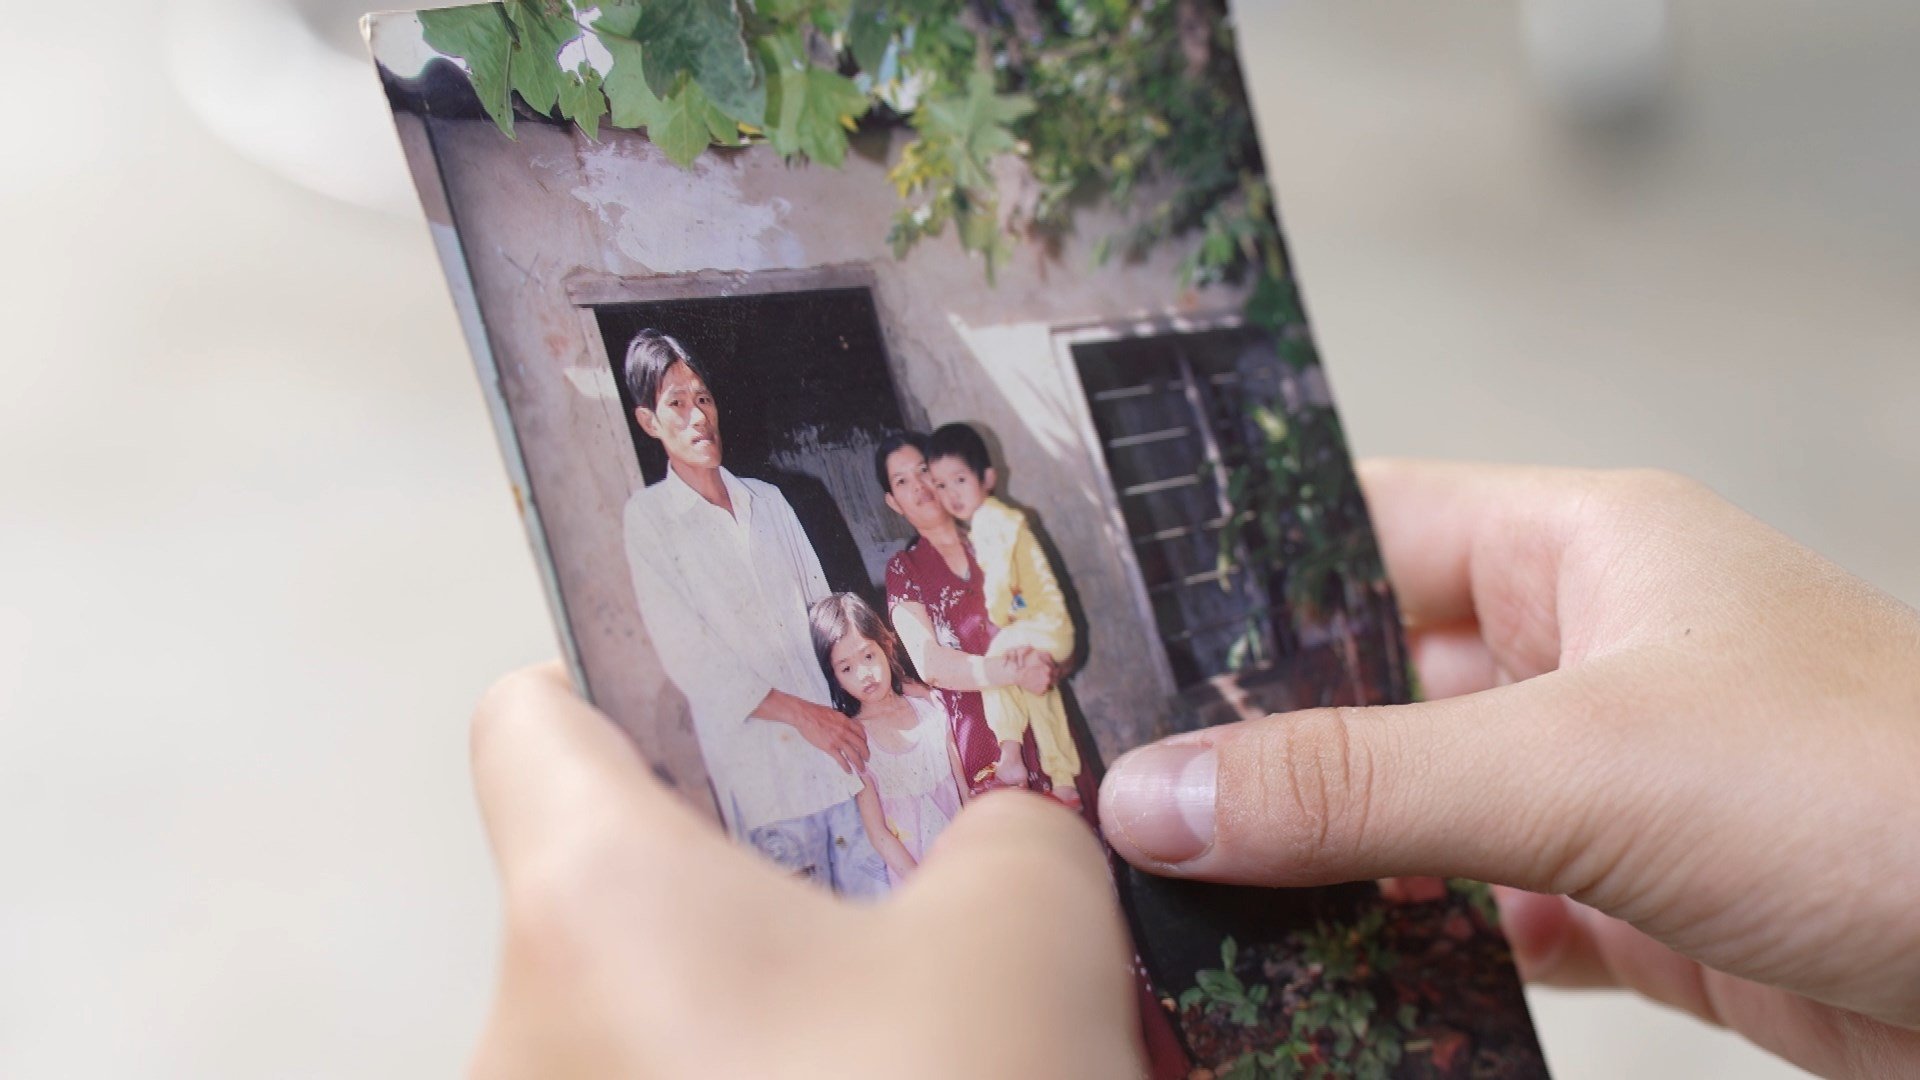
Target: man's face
685, 419
909, 493
961, 489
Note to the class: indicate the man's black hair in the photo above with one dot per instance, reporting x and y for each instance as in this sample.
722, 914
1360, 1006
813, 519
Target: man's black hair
961, 441
649, 356
890, 443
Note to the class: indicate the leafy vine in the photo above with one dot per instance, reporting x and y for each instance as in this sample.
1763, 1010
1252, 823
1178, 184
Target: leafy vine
1134, 103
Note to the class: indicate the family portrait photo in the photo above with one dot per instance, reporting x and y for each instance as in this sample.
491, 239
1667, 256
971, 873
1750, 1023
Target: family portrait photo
896, 419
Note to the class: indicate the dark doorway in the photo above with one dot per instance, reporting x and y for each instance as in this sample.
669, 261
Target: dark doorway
805, 394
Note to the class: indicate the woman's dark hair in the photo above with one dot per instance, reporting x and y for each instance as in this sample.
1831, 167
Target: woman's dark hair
649, 355
833, 619
889, 443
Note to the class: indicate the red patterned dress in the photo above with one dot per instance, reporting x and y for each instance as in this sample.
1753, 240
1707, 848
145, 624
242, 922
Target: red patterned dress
958, 607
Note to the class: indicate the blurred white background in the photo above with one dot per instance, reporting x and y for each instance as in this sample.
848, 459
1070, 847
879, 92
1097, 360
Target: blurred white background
257, 558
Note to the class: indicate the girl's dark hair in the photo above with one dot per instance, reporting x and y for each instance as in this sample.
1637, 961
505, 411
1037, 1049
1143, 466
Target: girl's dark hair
889, 443
833, 619
649, 355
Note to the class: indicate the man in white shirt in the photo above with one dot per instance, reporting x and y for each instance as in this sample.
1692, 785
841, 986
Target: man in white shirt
724, 575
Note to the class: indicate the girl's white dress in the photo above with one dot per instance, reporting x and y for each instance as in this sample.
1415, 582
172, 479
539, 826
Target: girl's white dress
918, 796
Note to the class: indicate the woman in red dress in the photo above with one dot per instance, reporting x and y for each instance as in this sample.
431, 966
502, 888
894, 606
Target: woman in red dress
937, 606
939, 610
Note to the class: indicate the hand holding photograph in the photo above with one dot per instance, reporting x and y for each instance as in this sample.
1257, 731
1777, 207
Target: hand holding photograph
911, 400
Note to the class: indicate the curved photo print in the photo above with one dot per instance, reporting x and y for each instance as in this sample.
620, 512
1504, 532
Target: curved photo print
912, 399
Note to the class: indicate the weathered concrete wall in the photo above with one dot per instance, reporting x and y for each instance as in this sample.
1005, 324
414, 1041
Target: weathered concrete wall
534, 212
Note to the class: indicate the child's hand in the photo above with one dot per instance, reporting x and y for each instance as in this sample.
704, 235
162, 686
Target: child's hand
1670, 713
640, 941
1036, 673
1027, 668
1019, 655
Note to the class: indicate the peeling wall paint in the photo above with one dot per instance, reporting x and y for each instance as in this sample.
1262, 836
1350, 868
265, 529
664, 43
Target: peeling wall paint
676, 220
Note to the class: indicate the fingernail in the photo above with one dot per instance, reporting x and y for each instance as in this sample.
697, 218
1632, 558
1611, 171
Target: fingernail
1160, 800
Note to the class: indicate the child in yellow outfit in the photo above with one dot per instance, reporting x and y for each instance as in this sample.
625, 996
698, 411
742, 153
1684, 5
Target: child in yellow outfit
1024, 600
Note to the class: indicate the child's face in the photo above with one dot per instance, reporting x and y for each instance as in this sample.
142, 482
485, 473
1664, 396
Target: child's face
862, 668
961, 489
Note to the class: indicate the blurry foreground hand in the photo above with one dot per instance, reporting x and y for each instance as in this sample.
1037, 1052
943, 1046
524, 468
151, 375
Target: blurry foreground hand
1705, 735
641, 942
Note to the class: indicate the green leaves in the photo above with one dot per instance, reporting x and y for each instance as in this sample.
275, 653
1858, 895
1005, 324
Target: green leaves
1099, 100
515, 48
702, 40
582, 101
481, 37
810, 110
971, 129
870, 31
634, 104
620, 18
538, 38
684, 122
1274, 304
960, 135
688, 121
1223, 990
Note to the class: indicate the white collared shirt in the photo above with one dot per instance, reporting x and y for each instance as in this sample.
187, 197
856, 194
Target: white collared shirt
725, 597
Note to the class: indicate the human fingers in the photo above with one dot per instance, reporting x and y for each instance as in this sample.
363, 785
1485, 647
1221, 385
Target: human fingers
1560, 942
858, 733
840, 747
852, 755
552, 773
571, 810
1471, 543
1018, 867
626, 913
853, 743
1011, 829
1452, 660
1476, 786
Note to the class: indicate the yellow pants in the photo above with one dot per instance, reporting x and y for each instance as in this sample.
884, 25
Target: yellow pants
1011, 711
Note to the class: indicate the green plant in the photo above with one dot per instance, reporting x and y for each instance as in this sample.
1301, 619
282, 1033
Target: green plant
1289, 1059
1479, 896
1223, 990
1138, 103
1335, 1026
1294, 505
1344, 951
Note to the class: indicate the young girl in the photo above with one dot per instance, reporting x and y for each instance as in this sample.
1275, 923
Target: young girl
912, 768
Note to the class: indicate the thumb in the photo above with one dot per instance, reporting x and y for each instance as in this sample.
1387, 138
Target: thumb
1014, 851
567, 800
1017, 892
1491, 786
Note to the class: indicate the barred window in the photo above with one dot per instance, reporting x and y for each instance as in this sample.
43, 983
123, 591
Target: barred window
1170, 413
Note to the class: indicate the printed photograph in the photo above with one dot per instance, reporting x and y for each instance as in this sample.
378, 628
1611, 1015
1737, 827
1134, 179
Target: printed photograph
911, 400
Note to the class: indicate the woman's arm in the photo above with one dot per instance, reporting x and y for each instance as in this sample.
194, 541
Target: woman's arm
959, 773
948, 669
892, 851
